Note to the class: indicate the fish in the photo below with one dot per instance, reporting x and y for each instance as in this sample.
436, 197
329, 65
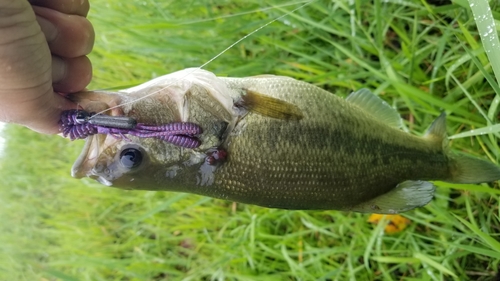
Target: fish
276, 142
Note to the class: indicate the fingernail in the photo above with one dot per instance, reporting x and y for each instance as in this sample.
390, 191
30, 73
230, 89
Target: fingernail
48, 29
58, 69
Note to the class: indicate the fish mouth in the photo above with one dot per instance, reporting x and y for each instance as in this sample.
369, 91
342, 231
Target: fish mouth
98, 101
89, 156
95, 158
95, 145
101, 180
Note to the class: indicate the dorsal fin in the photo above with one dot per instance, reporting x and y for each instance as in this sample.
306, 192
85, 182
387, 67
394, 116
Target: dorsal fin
376, 107
269, 106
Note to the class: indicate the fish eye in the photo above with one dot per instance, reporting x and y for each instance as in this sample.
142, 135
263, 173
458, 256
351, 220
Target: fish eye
131, 158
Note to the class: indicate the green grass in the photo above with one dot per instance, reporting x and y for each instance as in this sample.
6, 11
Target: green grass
422, 59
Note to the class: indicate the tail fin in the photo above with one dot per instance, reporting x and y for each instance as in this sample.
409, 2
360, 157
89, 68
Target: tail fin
467, 169
463, 168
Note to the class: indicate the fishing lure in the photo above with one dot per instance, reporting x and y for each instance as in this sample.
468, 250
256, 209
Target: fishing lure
79, 124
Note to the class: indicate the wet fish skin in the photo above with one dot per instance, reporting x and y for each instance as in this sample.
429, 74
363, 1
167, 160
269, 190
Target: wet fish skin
329, 153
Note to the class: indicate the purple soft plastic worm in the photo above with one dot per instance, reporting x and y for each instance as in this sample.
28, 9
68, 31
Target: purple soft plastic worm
72, 125
77, 124
183, 141
176, 128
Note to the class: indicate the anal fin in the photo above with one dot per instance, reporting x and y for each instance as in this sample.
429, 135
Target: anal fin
406, 196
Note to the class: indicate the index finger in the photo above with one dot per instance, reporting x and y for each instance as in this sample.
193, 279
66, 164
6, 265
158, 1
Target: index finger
73, 7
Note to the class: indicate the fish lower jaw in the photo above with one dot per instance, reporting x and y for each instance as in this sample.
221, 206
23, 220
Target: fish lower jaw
101, 180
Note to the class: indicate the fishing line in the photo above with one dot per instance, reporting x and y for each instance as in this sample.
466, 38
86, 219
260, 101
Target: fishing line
243, 13
212, 59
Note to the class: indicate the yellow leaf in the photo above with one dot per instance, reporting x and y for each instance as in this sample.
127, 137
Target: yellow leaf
395, 223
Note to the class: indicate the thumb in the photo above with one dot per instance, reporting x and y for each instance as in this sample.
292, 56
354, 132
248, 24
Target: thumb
26, 94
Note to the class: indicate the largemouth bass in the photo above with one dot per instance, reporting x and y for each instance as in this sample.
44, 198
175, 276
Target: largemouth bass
275, 142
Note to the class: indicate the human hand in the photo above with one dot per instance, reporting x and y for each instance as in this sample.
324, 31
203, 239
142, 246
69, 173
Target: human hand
42, 49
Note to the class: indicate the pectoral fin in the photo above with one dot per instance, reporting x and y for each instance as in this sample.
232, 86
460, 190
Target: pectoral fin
269, 106
406, 196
